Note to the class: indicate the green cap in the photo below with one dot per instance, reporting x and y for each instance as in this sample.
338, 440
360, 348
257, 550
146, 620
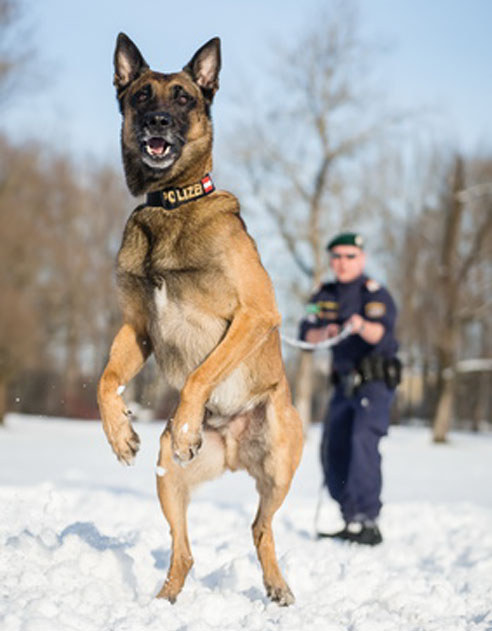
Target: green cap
346, 238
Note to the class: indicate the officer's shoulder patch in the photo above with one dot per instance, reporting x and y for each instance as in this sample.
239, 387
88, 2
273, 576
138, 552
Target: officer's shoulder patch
375, 309
372, 285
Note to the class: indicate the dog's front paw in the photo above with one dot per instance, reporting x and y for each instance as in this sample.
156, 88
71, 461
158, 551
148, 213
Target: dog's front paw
121, 436
125, 442
185, 444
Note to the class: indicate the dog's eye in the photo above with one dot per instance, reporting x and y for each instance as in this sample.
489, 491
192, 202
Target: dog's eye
143, 95
181, 97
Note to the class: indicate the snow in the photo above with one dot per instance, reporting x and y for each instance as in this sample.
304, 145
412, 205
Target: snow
84, 546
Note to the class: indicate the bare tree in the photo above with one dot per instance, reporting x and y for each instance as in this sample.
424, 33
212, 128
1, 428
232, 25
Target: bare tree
297, 152
19, 327
16, 55
448, 328
465, 246
441, 269
61, 228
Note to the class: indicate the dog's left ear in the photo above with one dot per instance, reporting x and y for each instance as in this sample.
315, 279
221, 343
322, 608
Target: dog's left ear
204, 68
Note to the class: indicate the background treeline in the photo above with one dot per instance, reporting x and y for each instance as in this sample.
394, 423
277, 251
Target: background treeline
61, 228
60, 225
313, 154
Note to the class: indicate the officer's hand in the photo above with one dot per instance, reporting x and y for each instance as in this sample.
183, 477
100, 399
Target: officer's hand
357, 323
315, 336
332, 330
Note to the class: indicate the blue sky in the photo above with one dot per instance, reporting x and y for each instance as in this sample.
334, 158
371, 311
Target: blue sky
438, 55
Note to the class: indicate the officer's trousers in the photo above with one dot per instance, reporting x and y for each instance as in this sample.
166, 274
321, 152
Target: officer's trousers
350, 456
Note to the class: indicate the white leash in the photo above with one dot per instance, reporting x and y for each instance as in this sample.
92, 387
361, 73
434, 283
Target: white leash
318, 509
308, 346
328, 343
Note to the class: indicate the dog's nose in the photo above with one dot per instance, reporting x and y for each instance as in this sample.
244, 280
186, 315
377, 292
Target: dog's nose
158, 120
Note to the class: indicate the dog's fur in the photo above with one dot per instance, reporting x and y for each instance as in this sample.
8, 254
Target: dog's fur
193, 291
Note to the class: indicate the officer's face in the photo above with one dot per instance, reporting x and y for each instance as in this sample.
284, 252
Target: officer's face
347, 262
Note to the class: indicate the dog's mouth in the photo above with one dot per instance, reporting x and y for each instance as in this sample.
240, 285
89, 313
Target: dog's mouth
158, 152
157, 147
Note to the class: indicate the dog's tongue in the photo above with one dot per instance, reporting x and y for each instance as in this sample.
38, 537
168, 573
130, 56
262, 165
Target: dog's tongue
157, 145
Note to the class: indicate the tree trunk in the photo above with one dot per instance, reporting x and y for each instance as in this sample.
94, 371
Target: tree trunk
304, 389
479, 409
447, 343
479, 412
3, 401
444, 410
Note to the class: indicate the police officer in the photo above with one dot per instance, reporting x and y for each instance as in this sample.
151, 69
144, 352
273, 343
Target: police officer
365, 374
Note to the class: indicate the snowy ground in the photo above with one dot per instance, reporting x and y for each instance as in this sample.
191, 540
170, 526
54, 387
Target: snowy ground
83, 545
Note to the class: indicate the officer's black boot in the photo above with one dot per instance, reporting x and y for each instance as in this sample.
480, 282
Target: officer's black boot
361, 532
343, 534
369, 534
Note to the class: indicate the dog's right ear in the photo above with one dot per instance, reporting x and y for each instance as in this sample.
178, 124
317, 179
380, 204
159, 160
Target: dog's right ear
128, 63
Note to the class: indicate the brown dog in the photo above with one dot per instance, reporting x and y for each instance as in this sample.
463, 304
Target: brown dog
193, 291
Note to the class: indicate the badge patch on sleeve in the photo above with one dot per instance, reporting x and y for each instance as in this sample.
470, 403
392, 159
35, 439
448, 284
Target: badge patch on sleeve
375, 309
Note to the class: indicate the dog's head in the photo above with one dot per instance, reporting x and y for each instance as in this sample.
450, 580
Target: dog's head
166, 134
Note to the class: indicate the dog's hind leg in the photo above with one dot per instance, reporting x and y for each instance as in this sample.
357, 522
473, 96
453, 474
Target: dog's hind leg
174, 483
273, 479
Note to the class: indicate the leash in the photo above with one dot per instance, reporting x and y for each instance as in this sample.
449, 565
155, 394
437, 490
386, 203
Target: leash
318, 509
308, 346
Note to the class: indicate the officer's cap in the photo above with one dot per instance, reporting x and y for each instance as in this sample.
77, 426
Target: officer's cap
346, 238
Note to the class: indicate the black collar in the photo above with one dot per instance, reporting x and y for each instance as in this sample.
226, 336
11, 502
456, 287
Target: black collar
170, 198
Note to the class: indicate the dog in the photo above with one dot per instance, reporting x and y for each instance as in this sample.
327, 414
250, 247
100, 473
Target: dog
193, 292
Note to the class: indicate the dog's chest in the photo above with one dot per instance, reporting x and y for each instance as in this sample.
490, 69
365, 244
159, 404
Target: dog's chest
188, 301
154, 244
184, 327
183, 336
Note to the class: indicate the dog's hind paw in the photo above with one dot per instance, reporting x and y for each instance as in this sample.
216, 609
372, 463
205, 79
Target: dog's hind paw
166, 595
173, 586
281, 595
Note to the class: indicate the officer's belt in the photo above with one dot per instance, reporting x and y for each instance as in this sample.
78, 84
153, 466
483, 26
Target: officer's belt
371, 368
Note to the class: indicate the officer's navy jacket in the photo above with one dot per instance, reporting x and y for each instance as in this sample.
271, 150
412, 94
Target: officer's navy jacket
335, 302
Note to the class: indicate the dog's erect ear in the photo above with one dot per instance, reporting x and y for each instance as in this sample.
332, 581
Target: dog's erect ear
128, 62
204, 68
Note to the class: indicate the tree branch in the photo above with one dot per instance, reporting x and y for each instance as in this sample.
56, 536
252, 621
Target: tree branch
474, 253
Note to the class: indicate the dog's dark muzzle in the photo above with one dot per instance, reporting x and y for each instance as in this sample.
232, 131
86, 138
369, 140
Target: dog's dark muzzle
160, 139
157, 123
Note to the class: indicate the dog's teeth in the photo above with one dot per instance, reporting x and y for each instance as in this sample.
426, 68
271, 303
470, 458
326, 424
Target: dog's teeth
158, 154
